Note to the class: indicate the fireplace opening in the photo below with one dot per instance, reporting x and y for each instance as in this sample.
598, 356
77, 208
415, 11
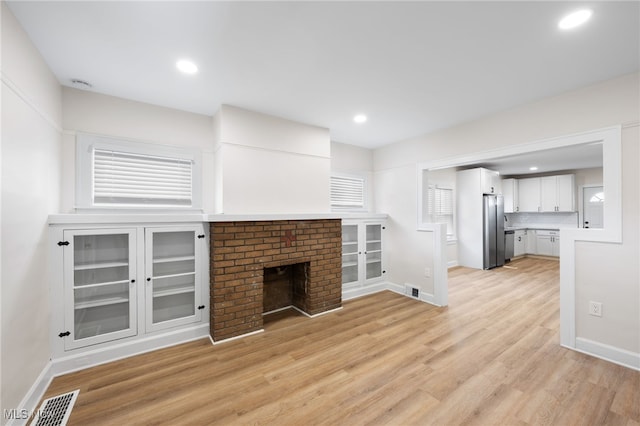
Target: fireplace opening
284, 287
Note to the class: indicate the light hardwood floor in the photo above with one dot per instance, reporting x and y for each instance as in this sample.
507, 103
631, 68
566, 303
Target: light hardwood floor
491, 358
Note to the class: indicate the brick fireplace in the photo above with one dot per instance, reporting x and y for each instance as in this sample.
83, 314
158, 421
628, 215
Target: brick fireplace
240, 253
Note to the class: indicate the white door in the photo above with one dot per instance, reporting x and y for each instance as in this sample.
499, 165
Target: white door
593, 206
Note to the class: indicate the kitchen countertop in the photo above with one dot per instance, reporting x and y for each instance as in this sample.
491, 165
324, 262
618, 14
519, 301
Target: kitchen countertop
541, 227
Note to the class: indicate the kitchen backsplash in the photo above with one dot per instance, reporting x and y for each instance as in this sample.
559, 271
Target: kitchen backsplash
561, 220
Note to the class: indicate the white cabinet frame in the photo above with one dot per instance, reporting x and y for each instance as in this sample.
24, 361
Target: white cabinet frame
150, 279
69, 305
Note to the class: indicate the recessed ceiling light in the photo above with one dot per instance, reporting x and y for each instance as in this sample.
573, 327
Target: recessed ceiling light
575, 19
533, 169
187, 67
360, 118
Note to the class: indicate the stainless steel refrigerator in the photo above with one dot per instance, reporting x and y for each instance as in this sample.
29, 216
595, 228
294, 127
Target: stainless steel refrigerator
493, 231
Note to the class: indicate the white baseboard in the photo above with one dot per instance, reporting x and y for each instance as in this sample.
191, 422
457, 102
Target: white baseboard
29, 403
608, 353
354, 293
452, 264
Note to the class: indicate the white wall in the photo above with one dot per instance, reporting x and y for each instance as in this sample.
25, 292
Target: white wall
271, 165
31, 158
84, 111
608, 273
355, 161
605, 104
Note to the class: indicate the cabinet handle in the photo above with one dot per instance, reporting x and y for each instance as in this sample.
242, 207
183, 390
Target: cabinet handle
201, 236
66, 333
148, 279
201, 307
384, 272
63, 243
492, 189
133, 281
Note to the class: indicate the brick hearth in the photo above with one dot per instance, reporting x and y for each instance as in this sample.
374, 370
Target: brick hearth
241, 250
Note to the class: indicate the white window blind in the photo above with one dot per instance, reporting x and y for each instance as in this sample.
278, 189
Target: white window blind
347, 193
440, 206
124, 178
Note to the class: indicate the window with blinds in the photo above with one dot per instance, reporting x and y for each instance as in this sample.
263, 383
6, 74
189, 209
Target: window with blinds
113, 173
440, 206
347, 193
123, 178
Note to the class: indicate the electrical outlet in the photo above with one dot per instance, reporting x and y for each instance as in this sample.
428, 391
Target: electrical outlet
427, 272
595, 309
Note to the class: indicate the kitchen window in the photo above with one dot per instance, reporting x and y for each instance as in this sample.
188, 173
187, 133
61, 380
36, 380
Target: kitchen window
120, 174
440, 207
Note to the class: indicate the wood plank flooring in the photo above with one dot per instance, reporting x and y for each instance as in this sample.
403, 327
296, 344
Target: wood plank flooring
491, 358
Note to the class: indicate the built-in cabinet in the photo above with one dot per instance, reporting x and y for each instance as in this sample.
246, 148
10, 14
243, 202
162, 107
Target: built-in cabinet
519, 243
548, 243
490, 182
362, 253
510, 195
540, 194
557, 193
118, 283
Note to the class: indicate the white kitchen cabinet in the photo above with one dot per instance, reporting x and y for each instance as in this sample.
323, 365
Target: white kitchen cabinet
530, 242
124, 283
362, 253
548, 243
529, 195
519, 243
490, 182
510, 195
558, 193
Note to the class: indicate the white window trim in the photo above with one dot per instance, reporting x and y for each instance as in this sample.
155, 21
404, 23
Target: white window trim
86, 143
365, 192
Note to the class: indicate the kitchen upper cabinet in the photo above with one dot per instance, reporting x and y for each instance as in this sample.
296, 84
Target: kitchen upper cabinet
557, 193
529, 195
490, 182
510, 195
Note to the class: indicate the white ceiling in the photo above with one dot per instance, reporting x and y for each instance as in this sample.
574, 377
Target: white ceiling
551, 160
412, 67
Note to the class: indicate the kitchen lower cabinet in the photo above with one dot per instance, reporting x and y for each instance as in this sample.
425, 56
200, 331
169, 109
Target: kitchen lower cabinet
119, 283
548, 243
519, 243
362, 253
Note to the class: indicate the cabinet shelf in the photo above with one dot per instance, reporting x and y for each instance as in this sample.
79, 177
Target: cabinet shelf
350, 253
99, 265
349, 264
373, 241
373, 251
107, 283
173, 259
369, 262
100, 302
173, 291
184, 274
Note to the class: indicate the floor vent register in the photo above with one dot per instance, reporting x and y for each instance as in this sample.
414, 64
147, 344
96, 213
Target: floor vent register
55, 411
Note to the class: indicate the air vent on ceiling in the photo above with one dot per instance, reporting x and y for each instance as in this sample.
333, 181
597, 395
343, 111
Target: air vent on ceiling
81, 84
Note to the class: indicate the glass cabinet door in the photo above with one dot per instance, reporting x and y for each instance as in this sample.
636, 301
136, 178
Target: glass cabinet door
99, 286
350, 254
172, 275
373, 251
